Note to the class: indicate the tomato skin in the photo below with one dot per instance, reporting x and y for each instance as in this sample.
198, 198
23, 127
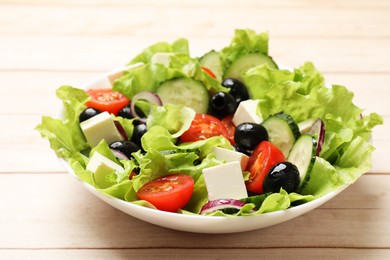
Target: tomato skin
264, 156
107, 100
208, 71
203, 127
168, 193
230, 127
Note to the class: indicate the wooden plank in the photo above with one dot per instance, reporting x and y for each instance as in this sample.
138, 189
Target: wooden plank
368, 192
34, 159
84, 54
229, 3
38, 97
139, 19
22, 149
66, 216
189, 253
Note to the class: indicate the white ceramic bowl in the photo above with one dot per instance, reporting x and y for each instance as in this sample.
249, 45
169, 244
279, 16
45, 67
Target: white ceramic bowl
195, 223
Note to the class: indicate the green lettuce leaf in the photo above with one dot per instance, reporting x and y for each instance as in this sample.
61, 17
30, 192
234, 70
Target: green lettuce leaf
78, 164
175, 118
355, 160
324, 178
145, 78
158, 138
65, 136
245, 41
199, 196
206, 146
118, 190
301, 93
179, 46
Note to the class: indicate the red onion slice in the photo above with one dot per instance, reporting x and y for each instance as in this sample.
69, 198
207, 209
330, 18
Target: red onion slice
120, 129
119, 155
220, 204
151, 97
318, 131
305, 126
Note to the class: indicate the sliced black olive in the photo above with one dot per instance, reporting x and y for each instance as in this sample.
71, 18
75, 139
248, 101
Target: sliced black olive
138, 132
248, 135
88, 113
125, 147
238, 89
222, 104
283, 175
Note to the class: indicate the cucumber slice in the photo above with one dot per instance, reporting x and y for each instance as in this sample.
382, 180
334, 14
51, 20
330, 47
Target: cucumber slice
246, 62
212, 61
185, 91
256, 199
282, 131
303, 155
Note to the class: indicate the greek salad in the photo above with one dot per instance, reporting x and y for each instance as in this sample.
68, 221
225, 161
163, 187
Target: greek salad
225, 134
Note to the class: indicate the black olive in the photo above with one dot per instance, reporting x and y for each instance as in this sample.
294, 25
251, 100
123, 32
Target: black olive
248, 135
222, 104
283, 175
238, 89
125, 147
125, 112
88, 113
241, 150
138, 132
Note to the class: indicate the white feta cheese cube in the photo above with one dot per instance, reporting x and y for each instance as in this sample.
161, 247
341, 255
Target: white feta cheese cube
100, 127
246, 113
231, 156
97, 159
102, 167
225, 181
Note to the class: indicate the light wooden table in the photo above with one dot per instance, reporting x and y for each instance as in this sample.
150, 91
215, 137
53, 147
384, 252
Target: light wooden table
45, 213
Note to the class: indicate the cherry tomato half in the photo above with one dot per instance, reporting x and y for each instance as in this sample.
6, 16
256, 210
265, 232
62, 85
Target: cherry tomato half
209, 72
107, 100
203, 127
260, 162
168, 193
230, 127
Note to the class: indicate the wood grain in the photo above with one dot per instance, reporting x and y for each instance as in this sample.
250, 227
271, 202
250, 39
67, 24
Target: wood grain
104, 53
190, 253
46, 214
139, 19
